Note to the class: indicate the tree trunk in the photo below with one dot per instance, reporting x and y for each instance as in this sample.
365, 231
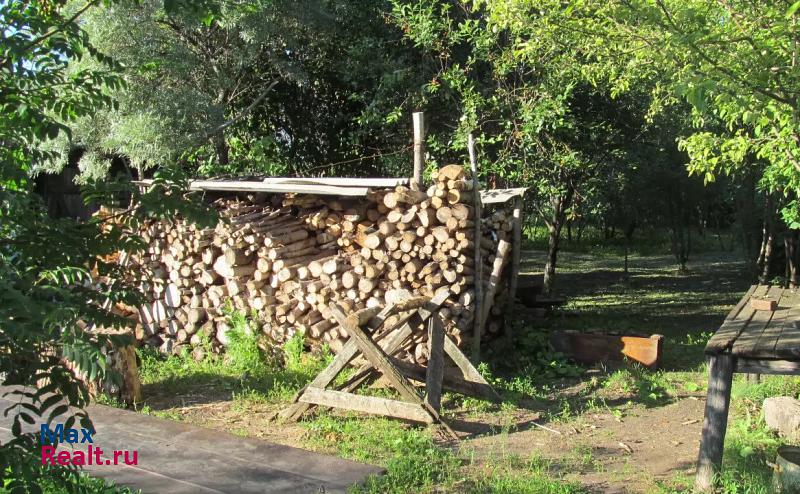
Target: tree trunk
767, 259
554, 231
222, 150
629, 229
560, 204
747, 219
790, 244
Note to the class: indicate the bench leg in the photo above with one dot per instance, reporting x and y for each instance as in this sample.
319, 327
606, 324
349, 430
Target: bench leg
712, 444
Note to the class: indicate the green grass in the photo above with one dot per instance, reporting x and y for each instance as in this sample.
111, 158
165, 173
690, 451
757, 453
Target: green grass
30, 474
243, 373
416, 464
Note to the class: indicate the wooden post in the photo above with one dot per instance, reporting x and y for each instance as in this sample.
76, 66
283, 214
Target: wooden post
516, 251
476, 334
720, 377
494, 280
435, 371
419, 149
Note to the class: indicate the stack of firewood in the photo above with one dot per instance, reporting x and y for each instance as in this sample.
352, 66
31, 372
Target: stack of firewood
283, 259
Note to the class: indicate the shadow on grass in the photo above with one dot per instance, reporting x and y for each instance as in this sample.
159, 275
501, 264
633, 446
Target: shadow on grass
196, 387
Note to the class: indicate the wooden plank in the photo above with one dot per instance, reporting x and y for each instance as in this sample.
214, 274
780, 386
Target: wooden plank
382, 362
398, 335
435, 371
760, 320
788, 346
478, 318
468, 370
762, 366
451, 381
340, 181
715, 422
741, 303
376, 356
516, 253
787, 343
498, 196
253, 186
787, 312
323, 379
366, 404
494, 280
736, 321
419, 148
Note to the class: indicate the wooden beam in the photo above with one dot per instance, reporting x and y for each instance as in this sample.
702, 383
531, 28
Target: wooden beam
715, 423
760, 366
494, 280
516, 252
419, 149
468, 370
435, 371
350, 350
339, 181
366, 404
259, 186
398, 335
451, 381
382, 362
478, 319
376, 356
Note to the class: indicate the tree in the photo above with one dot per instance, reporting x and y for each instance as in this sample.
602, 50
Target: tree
533, 84
736, 64
260, 86
56, 277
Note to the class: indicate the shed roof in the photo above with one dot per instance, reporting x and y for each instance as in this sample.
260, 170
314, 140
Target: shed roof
333, 186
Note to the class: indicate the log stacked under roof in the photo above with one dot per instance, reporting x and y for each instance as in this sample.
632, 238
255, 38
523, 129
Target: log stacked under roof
283, 259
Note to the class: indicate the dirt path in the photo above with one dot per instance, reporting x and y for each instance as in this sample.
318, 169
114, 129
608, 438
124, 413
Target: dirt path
606, 453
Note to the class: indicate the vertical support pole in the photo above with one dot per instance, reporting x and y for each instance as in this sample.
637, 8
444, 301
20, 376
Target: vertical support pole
435, 371
712, 444
516, 251
419, 149
476, 331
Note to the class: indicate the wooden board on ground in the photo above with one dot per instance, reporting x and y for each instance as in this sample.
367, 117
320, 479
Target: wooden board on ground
592, 348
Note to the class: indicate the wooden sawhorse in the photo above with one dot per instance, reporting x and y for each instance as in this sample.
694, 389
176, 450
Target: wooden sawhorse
398, 373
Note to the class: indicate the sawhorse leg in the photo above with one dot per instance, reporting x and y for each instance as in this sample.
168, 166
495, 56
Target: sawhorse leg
712, 444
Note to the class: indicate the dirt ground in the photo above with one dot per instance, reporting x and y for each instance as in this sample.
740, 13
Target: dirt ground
604, 452
610, 454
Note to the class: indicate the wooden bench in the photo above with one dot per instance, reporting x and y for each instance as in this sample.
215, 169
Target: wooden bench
753, 339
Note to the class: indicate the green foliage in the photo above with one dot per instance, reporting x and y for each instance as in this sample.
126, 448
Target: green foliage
735, 64
648, 387
260, 86
531, 479
244, 371
57, 275
48, 479
293, 352
414, 463
243, 353
519, 366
